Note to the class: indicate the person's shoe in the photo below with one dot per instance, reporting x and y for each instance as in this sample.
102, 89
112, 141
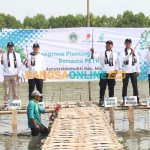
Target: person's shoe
5, 107
100, 104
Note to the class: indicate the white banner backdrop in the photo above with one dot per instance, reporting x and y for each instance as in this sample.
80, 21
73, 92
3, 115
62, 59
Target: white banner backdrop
67, 51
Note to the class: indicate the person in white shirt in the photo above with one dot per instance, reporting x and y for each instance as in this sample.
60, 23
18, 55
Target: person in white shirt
11, 62
148, 58
130, 65
36, 63
110, 63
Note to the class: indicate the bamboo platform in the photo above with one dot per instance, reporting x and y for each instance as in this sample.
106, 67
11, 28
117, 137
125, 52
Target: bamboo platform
81, 128
70, 104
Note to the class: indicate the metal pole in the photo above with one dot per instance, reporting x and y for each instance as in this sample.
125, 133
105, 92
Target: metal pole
88, 13
88, 24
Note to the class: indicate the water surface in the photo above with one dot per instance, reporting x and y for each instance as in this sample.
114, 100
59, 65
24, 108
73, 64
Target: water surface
137, 138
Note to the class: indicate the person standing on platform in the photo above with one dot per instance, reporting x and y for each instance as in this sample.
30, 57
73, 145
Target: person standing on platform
36, 64
11, 62
110, 63
148, 58
130, 65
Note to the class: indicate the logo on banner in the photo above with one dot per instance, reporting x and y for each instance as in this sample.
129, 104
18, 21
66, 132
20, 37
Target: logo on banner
101, 38
87, 39
73, 37
88, 36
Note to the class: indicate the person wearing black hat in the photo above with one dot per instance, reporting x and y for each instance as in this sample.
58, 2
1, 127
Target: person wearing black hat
110, 64
130, 65
11, 62
36, 64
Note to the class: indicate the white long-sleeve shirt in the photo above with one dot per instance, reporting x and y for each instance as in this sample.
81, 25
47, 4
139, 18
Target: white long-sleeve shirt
129, 68
106, 67
10, 71
40, 65
148, 58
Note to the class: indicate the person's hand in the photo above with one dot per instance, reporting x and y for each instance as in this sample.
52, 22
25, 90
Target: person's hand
1, 51
92, 50
138, 74
25, 61
58, 107
37, 127
18, 77
2, 61
132, 52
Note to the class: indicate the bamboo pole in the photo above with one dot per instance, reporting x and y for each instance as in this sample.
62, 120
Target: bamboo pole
80, 96
14, 137
88, 24
89, 87
112, 118
88, 13
131, 115
131, 130
18, 111
14, 119
22, 111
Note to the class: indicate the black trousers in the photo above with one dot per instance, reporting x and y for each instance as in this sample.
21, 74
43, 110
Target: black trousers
43, 130
103, 83
133, 77
39, 86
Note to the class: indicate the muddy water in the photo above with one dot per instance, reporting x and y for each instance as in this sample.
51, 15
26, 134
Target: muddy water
135, 138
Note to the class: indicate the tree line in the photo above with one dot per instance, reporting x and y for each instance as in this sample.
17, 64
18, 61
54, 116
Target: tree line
127, 20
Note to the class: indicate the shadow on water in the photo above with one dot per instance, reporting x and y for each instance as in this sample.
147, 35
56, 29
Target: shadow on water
23, 140
139, 139
136, 137
20, 142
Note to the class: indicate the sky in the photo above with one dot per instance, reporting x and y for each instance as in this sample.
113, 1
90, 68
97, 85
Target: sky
22, 8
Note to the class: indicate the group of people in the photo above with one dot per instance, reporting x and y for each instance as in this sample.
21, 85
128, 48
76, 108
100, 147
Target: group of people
128, 63
12, 71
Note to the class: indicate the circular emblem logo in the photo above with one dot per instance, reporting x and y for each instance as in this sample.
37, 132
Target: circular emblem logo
73, 37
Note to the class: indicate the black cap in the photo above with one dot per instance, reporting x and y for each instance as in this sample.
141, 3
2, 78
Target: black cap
128, 40
109, 42
10, 44
36, 45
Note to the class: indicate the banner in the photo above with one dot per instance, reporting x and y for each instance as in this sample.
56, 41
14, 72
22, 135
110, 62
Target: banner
67, 51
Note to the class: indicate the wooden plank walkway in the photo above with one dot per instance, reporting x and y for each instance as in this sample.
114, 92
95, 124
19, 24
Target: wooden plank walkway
81, 128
